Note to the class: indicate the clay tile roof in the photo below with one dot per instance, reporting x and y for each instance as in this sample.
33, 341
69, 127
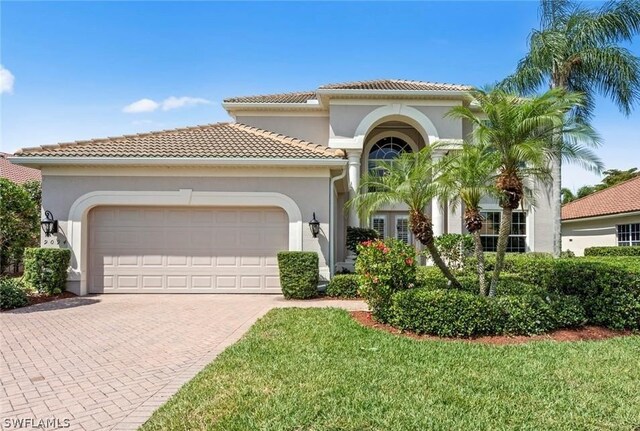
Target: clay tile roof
221, 140
621, 198
299, 97
397, 85
376, 84
15, 173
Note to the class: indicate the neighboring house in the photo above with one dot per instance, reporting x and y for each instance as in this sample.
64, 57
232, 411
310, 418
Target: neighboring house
609, 217
16, 173
206, 209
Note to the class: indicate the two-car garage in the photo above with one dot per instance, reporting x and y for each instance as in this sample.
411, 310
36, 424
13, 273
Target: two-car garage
151, 249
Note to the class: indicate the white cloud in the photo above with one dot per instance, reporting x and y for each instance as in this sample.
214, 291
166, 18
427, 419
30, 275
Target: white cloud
6, 80
181, 102
142, 105
149, 105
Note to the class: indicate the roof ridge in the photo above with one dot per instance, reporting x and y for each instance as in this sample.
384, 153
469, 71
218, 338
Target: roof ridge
301, 143
597, 192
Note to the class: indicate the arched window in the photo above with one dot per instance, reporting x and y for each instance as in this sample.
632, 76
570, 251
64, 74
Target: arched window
386, 149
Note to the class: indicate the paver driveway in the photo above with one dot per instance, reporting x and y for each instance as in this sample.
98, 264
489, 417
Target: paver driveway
107, 362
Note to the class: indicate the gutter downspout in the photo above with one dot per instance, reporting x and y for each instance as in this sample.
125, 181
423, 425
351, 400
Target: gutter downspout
332, 219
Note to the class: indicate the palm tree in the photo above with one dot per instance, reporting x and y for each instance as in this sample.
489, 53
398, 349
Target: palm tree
580, 50
406, 179
520, 130
466, 177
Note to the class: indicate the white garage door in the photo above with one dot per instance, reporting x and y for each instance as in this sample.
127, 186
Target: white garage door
185, 250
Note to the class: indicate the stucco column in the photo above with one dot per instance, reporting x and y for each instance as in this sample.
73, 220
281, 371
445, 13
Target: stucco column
437, 213
354, 183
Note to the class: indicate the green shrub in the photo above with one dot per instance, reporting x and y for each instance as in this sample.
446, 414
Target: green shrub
568, 311
430, 277
441, 312
609, 288
12, 293
454, 248
299, 274
521, 315
613, 251
19, 222
358, 235
383, 268
45, 269
456, 313
343, 286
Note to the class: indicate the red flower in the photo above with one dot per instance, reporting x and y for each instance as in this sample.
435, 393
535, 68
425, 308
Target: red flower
408, 261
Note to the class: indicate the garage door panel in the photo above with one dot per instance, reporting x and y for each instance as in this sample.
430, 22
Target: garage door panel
186, 250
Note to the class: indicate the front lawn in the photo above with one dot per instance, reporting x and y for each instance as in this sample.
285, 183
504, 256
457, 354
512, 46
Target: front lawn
317, 369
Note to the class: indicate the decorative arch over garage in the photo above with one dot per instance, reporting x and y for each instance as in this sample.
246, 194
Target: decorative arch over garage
78, 214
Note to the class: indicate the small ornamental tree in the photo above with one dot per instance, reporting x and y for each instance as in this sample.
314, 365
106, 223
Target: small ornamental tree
384, 268
19, 222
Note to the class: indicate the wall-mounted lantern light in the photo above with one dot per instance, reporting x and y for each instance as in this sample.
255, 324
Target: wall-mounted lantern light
49, 225
314, 226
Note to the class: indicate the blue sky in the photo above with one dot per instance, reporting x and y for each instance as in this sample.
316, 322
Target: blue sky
77, 65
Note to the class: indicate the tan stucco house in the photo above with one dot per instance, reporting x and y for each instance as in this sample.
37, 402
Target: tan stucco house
609, 217
206, 209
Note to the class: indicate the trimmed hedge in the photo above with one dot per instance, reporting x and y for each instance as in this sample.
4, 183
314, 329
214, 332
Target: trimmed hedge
12, 293
609, 288
441, 312
343, 286
456, 313
45, 269
299, 274
612, 251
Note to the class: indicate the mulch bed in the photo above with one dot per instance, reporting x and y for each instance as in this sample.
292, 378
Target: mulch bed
39, 299
575, 334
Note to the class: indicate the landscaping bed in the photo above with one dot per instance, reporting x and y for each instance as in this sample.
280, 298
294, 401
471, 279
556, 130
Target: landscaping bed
318, 369
585, 333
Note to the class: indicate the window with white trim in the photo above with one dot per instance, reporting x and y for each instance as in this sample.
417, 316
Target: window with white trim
379, 223
491, 226
402, 229
386, 149
628, 234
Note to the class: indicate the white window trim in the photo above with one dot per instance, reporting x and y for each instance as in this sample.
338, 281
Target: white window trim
625, 243
525, 236
384, 218
409, 233
78, 226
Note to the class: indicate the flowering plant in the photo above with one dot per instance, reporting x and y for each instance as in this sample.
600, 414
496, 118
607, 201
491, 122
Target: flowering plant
384, 267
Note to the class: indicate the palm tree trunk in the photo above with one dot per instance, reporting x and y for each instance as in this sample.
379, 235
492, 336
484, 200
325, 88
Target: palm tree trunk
503, 240
556, 200
480, 258
437, 260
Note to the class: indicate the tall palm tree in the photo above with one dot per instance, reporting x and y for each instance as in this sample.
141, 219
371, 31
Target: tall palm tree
406, 179
520, 130
580, 50
468, 175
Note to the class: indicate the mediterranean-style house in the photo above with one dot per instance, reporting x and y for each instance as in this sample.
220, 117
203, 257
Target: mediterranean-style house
609, 217
206, 208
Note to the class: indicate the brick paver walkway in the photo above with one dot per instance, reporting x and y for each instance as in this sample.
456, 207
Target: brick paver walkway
107, 362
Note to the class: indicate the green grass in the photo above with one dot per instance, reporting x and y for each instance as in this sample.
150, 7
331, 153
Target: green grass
316, 369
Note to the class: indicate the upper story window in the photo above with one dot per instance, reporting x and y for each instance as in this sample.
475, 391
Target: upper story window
386, 149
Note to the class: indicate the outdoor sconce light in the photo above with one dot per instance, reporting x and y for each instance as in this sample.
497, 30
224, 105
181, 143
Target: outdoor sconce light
314, 225
49, 225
